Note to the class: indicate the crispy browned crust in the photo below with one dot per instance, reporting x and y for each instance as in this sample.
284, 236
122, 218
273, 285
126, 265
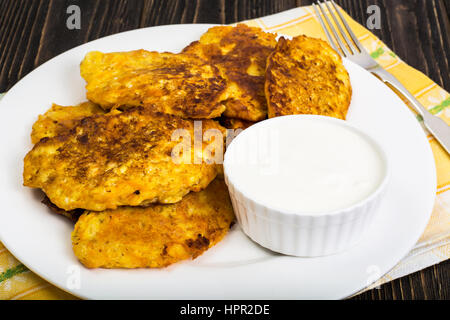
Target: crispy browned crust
115, 160
234, 123
72, 215
240, 53
156, 236
176, 84
60, 119
306, 76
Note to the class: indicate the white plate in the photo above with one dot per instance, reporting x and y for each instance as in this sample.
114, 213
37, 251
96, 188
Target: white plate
236, 268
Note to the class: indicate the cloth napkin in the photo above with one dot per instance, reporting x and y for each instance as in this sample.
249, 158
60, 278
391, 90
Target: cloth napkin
17, 282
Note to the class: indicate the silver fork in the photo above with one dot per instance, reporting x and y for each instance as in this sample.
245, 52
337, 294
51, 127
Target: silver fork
355, 52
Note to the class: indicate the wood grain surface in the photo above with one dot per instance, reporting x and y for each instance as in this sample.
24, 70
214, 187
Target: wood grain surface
34, 31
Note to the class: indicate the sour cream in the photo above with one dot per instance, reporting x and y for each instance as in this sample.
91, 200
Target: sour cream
310, 164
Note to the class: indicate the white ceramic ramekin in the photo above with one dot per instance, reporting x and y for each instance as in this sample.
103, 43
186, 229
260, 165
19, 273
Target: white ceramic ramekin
300, 233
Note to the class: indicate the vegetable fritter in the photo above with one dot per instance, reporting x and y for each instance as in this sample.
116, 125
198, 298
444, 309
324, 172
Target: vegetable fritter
176, 84
240, 53
156, 236
306, 76
122, 159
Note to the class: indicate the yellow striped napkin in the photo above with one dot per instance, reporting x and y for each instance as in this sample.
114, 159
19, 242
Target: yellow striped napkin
17, 282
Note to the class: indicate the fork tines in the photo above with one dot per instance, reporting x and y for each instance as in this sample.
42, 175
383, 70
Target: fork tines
341, 42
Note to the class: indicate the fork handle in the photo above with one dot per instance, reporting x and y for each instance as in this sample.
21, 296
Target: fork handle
437, 127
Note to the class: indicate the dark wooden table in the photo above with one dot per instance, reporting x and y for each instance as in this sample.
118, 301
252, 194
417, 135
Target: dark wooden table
34, 31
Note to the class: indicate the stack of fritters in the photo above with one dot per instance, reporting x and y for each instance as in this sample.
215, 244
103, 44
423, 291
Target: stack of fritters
109, 164
122, 161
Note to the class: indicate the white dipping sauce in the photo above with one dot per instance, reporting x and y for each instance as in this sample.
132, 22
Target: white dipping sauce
304, 164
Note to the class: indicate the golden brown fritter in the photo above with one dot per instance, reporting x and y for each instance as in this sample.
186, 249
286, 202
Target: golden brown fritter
156, 236
170, 83
240, 53
108, 161
306, 76
59, 119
